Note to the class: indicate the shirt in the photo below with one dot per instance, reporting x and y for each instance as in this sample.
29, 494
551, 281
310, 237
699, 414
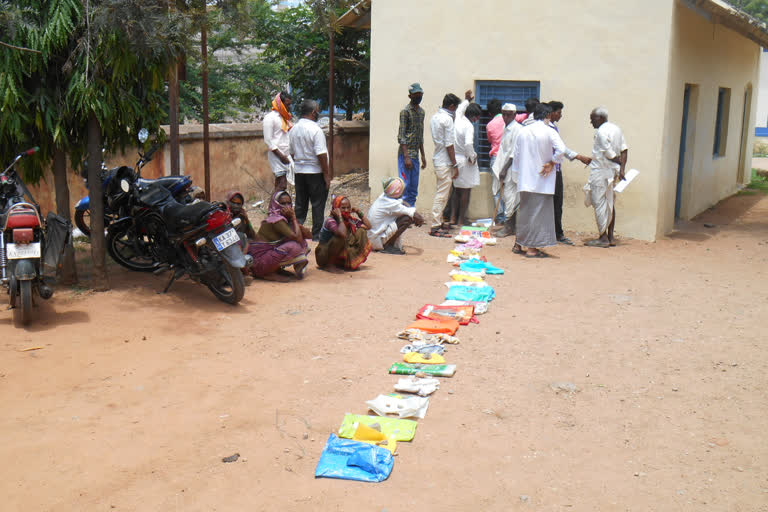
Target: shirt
495, 130
608, 143
465, 139
443, 136
384, 211
411, 130
511, 132
536, 145
275, 138
569, 154
307, 141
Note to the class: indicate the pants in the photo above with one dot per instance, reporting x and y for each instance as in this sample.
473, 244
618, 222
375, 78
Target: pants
443, 175
559, 205
410, 177
310, 188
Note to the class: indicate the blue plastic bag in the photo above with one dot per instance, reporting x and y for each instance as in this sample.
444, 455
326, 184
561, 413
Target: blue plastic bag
471, 293
476, 265
354, 460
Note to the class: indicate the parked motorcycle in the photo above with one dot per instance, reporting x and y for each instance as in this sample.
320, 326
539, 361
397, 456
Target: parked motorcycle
24, 246
198, 240
180, 187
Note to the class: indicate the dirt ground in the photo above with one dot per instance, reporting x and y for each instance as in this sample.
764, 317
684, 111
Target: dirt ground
133, 398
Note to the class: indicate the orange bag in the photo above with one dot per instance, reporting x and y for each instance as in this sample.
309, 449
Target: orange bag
447, 326
462, 314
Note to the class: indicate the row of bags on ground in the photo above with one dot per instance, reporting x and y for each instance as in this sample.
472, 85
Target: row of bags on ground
365, 445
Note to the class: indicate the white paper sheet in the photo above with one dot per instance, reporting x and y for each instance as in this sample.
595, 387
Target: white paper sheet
628, 178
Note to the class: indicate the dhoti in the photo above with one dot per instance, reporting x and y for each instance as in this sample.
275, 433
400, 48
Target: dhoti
598, 192
536, 220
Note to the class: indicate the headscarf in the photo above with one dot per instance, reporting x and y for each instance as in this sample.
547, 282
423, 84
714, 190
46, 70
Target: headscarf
277, 104
231, 194
275, 214
393, 187
346, 217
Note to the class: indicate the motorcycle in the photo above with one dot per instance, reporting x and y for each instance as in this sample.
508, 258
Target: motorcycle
180, 187
198, 240
24, 246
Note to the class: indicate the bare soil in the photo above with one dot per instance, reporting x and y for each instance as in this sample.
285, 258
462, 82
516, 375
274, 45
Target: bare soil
131, 399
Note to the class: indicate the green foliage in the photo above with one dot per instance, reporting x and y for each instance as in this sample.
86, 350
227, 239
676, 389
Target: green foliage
759, 181
756, 8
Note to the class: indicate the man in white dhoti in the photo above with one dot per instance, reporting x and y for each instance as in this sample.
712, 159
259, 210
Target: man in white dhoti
466, 157
609, 159
502, 174
538, 149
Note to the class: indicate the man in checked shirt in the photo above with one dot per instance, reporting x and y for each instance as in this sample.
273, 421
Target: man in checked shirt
410, 139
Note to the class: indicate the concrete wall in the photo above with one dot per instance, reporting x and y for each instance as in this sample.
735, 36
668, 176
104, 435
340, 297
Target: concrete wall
581, 55
238, 160
708, 56
761, 116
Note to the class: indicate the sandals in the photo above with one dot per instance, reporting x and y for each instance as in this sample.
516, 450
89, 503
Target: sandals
565, 240
539, 254
440, 233
518, 250
597, 243
393, 250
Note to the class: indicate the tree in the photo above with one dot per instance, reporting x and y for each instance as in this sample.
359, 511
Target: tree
755, 8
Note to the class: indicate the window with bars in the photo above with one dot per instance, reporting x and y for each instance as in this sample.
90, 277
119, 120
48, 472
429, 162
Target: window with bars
506, 92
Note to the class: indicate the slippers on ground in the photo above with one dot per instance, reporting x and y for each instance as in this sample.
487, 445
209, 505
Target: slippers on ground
517, 250
537, 255
393, 250
440, 233
596, 243
565, 240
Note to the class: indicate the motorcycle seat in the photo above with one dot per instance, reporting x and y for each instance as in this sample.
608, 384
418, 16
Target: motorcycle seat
164, 181
180, 216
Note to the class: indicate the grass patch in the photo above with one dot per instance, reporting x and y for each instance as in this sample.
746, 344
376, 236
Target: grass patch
758, 183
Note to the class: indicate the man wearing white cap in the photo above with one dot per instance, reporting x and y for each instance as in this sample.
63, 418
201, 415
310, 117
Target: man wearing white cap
500, 169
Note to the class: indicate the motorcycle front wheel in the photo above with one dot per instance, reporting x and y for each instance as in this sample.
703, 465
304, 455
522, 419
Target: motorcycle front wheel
83, 221
228, 284
130, 252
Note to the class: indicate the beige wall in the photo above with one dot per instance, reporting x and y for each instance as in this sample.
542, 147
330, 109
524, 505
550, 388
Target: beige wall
581, 57
238, 160
708, 56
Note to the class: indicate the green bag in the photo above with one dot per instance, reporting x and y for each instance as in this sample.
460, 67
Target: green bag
435, 370
401, 430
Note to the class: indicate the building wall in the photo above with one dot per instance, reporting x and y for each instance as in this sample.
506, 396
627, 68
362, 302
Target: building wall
581, 58
761, 115
709, 56
238, 160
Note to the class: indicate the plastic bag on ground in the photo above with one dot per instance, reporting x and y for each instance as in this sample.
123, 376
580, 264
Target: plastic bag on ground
366, 434
462, 314
420, 386
436, 370
400, 430
475, 265
447, 326
432, 348
480, 307
404, 407
471, 293
354, 460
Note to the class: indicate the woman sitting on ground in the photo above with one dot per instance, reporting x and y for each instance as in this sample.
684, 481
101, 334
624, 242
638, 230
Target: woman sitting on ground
280, 242
343, 238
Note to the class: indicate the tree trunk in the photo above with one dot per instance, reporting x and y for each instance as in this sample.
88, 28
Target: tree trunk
67, 270
173, 117
98, 243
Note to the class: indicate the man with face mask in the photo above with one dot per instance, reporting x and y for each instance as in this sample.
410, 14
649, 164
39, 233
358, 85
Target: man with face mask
313, 173
410, 140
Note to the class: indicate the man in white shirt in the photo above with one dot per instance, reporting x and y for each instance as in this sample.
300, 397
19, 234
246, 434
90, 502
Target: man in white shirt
444, 160
609, 159
313, 173
557, 114
275, 126
389, 218
466, 158
501, 174
537, 149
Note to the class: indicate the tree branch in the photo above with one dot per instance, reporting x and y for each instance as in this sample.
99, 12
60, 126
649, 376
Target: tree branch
19, 48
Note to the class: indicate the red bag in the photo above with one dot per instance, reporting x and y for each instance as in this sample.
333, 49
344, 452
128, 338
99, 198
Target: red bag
446, 326
462, 314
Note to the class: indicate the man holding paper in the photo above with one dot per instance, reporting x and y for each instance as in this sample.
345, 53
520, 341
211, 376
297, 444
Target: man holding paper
609, 159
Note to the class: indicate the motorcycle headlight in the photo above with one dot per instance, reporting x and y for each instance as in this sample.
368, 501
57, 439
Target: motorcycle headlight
125, 185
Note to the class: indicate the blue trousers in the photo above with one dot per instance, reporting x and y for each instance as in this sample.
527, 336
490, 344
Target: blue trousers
410, 177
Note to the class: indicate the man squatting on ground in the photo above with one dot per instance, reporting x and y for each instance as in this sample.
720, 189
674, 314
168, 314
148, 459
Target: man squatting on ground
444, 160
609, 159
390, 217
313, 174
410, 138
275, 126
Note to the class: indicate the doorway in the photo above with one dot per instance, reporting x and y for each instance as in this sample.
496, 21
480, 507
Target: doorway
687, 137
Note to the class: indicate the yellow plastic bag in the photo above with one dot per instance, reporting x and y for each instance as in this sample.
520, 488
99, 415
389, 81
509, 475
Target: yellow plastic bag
417, 357
370, 435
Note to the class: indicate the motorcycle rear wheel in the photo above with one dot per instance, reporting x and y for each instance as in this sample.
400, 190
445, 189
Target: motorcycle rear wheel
83, 221
120, 246
24, 303
230, 287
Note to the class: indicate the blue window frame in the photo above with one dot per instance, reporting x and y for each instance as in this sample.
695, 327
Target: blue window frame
506, 92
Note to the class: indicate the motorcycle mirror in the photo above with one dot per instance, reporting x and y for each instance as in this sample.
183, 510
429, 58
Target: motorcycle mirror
143, 135
125, 185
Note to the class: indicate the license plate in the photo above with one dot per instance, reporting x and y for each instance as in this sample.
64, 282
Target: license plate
23, 251
226, 239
